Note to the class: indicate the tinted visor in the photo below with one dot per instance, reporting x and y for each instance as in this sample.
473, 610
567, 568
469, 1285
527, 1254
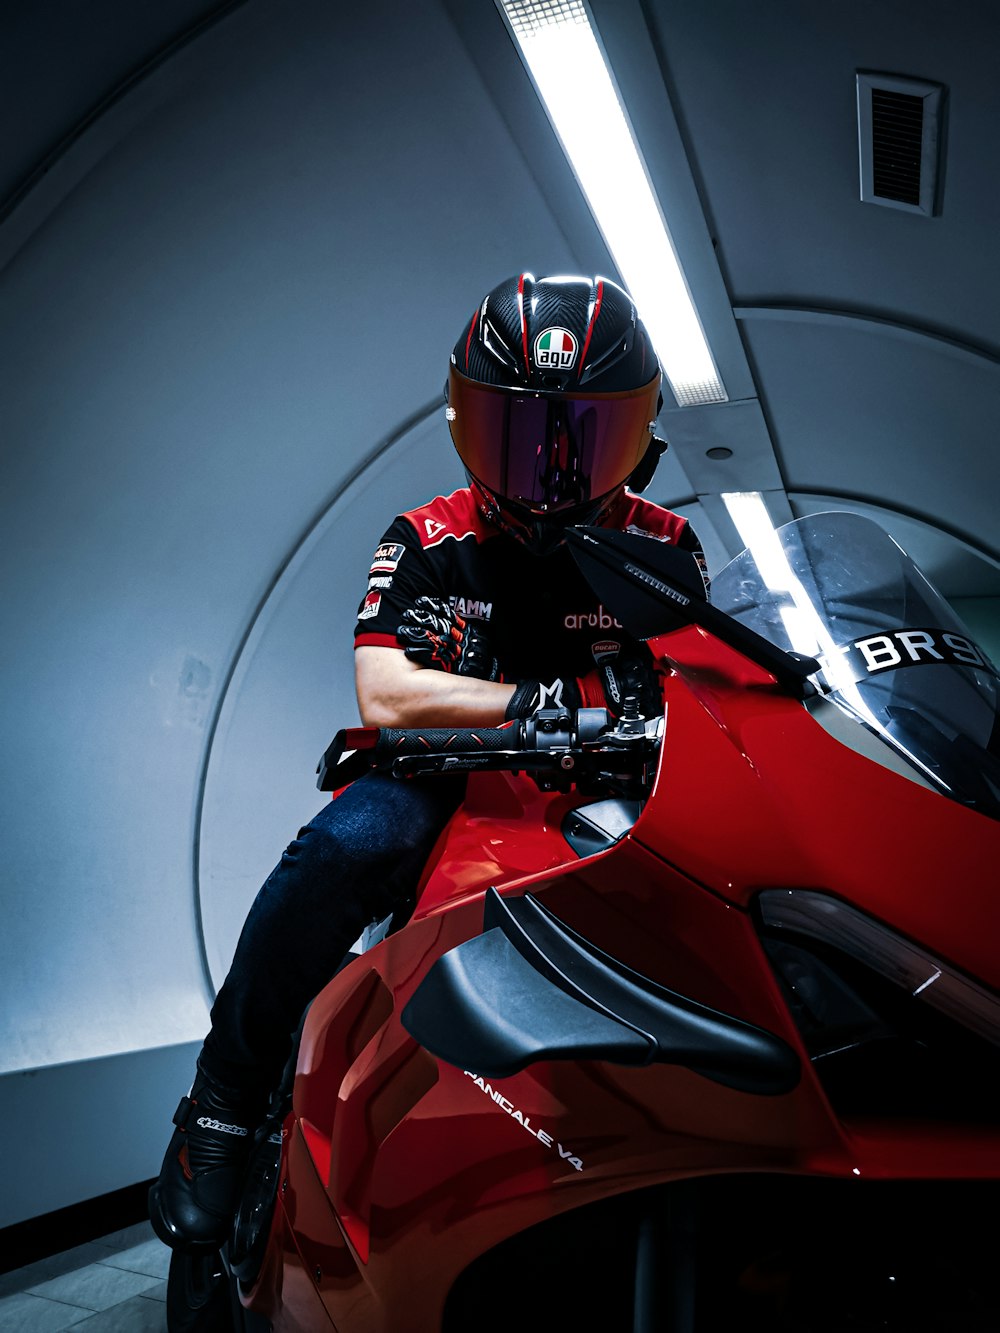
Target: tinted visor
549, 451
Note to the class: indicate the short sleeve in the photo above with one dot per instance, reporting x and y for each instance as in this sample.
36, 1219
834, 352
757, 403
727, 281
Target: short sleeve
400, 572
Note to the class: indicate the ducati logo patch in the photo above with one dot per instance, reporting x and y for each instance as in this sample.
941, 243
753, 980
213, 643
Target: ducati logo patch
370, 606
555, 349
604, 649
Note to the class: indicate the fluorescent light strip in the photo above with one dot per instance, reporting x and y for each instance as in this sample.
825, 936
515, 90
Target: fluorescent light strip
806, 629
558, 46
753, 523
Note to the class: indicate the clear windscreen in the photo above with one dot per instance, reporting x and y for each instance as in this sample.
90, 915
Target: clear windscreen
894, 654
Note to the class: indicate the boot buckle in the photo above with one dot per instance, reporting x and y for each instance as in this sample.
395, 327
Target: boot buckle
184, 1108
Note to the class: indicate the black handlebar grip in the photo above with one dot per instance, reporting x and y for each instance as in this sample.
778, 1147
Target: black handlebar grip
393, 741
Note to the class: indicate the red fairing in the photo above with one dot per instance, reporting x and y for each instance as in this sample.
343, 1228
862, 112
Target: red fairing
901, 835
406, 1175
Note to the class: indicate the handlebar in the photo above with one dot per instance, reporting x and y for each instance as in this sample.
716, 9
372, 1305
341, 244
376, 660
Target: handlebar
394, 741
558, 750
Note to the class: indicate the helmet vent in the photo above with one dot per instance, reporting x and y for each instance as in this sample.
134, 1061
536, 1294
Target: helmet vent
494, 343
900, 141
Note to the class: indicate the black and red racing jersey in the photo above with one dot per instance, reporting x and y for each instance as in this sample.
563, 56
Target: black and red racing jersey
540, 615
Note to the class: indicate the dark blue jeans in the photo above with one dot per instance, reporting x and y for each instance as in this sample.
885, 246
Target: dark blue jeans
359, 858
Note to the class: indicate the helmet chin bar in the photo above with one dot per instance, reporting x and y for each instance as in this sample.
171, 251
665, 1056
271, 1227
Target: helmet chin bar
643, 474
541, 533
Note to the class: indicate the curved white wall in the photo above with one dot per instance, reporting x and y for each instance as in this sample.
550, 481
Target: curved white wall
292, 686
239, 286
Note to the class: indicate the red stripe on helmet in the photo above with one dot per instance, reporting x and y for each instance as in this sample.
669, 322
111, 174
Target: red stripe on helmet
524, 322
590, 326
468, 341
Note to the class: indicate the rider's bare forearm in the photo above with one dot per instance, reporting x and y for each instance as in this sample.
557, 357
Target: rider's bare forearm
395, 692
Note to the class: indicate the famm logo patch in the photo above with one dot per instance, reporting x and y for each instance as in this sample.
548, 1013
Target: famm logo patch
555, 349
472, 608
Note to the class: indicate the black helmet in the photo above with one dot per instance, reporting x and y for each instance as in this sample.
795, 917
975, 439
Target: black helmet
552, 394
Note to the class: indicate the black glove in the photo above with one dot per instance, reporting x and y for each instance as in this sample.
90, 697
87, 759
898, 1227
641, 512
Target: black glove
607, 686
434, 635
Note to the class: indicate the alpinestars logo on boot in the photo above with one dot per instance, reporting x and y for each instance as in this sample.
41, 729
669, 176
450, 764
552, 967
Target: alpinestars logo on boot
209, 1122
555, 349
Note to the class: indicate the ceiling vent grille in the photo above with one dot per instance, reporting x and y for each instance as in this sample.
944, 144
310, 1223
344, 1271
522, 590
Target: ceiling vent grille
900, 140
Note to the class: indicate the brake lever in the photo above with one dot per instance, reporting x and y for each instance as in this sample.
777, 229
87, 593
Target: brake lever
594, 766
511, 761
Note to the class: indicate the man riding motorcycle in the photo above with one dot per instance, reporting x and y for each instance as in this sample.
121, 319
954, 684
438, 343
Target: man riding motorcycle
475, 613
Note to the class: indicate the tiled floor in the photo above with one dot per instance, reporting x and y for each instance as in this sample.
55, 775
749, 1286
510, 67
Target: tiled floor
117, 1284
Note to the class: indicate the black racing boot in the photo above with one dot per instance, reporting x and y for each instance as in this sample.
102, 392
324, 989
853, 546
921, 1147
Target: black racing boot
194, 1198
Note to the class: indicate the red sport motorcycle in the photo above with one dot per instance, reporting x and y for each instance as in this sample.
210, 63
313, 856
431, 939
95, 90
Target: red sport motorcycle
694, 1022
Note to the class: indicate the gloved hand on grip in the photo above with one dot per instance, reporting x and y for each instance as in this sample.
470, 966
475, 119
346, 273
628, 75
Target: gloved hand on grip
607, 686
434, 635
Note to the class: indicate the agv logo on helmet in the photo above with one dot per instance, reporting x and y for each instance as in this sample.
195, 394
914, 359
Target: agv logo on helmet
555, 349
